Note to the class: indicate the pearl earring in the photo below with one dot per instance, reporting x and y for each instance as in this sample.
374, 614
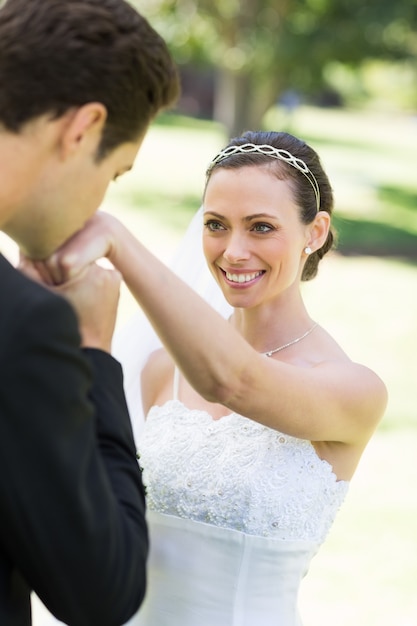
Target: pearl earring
308, 250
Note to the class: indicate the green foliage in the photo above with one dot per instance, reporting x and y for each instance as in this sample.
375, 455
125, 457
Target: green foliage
263, 47
347, 30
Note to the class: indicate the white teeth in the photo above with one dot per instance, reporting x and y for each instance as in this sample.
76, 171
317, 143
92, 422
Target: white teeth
242, 278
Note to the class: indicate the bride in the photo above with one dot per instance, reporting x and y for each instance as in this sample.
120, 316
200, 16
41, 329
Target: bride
255, 423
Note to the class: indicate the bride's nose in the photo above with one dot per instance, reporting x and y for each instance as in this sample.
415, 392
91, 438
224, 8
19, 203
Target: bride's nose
236, 248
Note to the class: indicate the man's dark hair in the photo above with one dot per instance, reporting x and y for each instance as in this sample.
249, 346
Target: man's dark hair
60, 54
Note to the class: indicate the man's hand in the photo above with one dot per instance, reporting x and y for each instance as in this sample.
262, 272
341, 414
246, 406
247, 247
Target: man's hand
94, 294
92, 290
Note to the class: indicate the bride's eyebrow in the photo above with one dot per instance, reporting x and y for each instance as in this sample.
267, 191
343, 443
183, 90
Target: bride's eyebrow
247, 218
257, 216
213, 213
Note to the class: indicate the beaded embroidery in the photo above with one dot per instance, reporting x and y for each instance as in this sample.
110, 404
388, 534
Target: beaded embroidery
238, 474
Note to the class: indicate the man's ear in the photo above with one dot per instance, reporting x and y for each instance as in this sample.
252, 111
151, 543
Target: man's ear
83, 129
319, 230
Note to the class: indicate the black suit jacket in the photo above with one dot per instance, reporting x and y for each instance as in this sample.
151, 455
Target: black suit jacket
72, 509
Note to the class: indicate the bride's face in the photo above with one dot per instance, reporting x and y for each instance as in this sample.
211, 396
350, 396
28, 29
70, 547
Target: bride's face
253, 238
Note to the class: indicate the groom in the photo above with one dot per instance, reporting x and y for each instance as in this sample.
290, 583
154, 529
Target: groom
80, 81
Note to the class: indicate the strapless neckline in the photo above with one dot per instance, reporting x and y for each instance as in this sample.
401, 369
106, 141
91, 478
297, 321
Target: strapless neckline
236, 473
202, 413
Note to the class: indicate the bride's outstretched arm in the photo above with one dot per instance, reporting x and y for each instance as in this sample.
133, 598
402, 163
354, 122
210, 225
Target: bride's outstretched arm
343, 400
185, 323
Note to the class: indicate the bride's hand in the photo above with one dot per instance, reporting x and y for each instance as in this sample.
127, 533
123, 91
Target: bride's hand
36, 270
93, 242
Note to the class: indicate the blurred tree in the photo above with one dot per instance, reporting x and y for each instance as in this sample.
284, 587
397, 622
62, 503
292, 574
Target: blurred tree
261, 48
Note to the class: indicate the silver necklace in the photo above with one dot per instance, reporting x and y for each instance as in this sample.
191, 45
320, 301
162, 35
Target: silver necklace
290, 343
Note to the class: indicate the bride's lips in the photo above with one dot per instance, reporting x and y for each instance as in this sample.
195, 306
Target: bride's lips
241, 278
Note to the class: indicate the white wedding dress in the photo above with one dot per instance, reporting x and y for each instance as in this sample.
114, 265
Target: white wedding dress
236, 511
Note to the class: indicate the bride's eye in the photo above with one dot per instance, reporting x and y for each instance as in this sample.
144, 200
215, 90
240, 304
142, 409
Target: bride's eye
213, 225
261, 227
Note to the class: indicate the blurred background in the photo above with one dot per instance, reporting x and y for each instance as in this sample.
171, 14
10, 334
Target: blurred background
342, 76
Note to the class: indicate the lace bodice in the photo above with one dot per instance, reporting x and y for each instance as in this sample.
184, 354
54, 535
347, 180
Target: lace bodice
235, 473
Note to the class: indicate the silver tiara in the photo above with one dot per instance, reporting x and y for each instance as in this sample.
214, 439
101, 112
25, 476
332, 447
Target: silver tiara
275, 153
